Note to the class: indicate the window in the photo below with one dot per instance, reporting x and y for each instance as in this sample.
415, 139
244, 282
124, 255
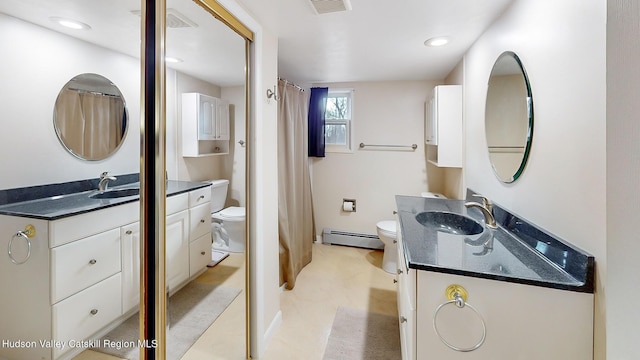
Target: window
338, 127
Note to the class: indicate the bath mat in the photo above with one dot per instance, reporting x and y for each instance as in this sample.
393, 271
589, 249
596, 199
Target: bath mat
216, 257
190, 312
358, 334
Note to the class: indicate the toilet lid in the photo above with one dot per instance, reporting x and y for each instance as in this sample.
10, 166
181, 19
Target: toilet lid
233, 212
387, 225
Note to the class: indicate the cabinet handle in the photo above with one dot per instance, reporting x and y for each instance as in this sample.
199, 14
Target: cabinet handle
93, 261
395, 281
403, 319
399, 271
94, 311
129, 232
395, 241
201, 197
202, 221
394, 212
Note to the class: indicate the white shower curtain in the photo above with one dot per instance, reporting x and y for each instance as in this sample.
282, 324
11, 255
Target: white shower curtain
295, 208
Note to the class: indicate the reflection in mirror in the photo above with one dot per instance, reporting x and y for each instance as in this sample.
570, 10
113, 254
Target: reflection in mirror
508, 117
90, 117
213, 63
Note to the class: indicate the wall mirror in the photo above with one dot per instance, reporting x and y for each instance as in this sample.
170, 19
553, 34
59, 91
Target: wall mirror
214, 58
90, 117
508, 117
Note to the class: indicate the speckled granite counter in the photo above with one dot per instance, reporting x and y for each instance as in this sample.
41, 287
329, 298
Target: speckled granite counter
515, 252
56, 201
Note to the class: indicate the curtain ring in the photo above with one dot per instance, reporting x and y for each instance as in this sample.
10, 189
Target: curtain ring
26, 237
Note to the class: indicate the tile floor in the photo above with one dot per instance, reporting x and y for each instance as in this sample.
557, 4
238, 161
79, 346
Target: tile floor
337, 276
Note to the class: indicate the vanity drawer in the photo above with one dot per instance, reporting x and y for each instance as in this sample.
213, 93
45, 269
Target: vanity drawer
177, 203
73, 228
199, 196
199, 254
86, 312
82, 263
200, 221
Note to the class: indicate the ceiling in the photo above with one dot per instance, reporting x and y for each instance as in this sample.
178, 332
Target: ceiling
376, 40
210, 50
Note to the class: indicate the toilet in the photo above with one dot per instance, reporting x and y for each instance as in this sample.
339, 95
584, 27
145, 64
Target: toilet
386, 230
227, 224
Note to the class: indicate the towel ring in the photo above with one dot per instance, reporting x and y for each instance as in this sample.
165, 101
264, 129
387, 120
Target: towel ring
28, 232
457, 295
18, 235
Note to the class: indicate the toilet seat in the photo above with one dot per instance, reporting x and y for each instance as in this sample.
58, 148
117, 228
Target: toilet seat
232, 213
387, 228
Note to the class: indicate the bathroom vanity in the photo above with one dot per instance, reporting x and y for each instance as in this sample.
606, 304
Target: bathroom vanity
70, 269
518, 292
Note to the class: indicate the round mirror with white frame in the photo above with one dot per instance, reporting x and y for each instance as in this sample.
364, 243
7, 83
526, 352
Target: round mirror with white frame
508, 117
90, 117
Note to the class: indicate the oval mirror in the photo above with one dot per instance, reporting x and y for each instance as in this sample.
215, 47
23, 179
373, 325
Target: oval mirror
508, 117
90, 117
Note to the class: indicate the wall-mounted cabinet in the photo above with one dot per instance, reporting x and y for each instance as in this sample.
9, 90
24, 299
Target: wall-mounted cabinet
205, 125
443, 126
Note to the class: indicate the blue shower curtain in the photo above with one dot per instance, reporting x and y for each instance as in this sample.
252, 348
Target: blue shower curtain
317, 106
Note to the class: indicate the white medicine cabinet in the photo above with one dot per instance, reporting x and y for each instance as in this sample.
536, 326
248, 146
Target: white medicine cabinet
443, 126
205, 125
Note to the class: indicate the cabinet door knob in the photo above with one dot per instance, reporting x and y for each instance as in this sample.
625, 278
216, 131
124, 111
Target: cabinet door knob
395, 241
403, 319
202, 221
395, 281
129, 232
202, 253
399, 271
93, 261
94, 311
201, 197
394, 212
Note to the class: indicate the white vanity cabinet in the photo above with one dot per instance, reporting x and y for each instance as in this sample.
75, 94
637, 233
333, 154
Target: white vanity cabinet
130, 237
443, 126
406, 293
522, 321
83, 274
205, 125
199, 230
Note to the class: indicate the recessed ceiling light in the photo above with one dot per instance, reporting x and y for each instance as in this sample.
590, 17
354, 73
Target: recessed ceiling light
69, 23
437, 41
170, 59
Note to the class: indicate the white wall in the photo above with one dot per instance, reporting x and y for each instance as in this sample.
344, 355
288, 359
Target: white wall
563, 188
28, 109
623, 167
384, 113
262, 144
32, 75
235, 163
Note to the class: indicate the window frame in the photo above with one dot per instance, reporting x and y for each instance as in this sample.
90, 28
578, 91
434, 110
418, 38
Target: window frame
349, 146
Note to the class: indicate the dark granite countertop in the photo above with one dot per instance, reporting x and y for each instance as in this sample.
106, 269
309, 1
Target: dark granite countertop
57, 201
514, 252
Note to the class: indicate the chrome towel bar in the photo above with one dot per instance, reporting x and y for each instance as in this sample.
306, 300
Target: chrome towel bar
412, 146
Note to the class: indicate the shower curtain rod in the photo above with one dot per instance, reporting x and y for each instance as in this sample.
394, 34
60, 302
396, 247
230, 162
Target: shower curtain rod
287, 82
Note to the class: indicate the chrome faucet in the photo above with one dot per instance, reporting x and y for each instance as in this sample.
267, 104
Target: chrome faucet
487, 210
104, 181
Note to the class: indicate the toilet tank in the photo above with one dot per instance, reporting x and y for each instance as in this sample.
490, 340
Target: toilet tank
218, 194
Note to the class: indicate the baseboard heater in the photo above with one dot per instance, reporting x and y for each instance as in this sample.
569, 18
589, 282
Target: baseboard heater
338, 237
